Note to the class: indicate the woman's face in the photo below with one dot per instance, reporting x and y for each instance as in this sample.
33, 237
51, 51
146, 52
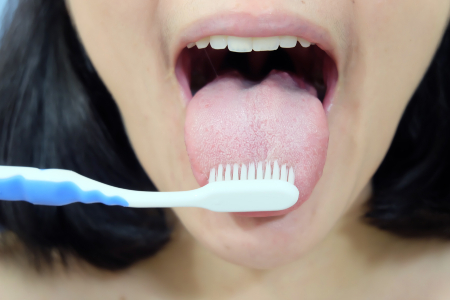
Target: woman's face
370, 55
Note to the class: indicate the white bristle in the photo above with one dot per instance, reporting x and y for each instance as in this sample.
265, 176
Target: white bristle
244, 172
228, 172
268, 173
212, 175
259, 171
235, 172
283, 173
276, 171
220, 173
291, 175
251, 172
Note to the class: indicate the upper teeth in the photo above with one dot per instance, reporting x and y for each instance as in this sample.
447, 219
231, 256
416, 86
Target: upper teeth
247, 44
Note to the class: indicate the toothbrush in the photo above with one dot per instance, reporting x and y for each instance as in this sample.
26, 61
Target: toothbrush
229, 191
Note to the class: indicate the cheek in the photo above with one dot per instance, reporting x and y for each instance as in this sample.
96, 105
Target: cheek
395, 43
154, 120
154, 117
124, 43
396, 32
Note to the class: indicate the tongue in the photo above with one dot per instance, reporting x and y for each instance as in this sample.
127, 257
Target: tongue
232, 120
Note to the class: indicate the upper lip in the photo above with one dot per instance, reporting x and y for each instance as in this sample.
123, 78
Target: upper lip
249, 25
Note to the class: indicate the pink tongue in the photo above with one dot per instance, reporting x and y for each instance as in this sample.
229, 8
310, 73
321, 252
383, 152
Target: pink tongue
232, 120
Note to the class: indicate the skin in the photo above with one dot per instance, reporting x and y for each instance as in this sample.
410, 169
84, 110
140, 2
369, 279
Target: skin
384, 48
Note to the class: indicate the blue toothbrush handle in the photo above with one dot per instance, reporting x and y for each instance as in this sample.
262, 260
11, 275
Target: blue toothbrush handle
57, 187
53, 187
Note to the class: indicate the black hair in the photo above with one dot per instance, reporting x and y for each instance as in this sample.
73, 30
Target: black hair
412, 185
55, 112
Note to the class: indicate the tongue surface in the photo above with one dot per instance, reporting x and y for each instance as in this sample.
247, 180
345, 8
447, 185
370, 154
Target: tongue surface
232, 120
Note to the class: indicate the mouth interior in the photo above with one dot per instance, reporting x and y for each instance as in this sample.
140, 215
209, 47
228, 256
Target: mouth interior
198, 67
258, 106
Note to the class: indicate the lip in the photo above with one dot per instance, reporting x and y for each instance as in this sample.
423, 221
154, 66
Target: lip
244, 24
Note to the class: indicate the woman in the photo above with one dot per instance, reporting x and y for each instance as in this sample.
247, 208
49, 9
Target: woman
118, 91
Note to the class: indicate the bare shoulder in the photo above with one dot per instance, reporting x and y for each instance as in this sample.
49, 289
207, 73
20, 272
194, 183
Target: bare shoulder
14, 278
443, 277
432, 272
20, 280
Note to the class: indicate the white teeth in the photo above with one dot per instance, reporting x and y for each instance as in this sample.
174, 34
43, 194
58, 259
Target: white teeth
266, 43
304, 43
260, 171
288, 41
203, 43
219, 41
247, 44
240, 44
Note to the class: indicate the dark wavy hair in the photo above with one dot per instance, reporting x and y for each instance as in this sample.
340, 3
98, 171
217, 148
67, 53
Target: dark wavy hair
55, 112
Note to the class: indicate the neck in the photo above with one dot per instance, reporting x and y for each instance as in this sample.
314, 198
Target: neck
349, 253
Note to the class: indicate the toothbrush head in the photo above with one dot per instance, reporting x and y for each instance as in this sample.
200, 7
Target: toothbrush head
258, 187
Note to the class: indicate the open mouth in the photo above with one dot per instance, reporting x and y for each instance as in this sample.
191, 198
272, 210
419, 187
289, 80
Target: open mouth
202, 62
305, 62
257, 99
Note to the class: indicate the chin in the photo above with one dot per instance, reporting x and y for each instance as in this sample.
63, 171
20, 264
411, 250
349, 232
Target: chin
255, 242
